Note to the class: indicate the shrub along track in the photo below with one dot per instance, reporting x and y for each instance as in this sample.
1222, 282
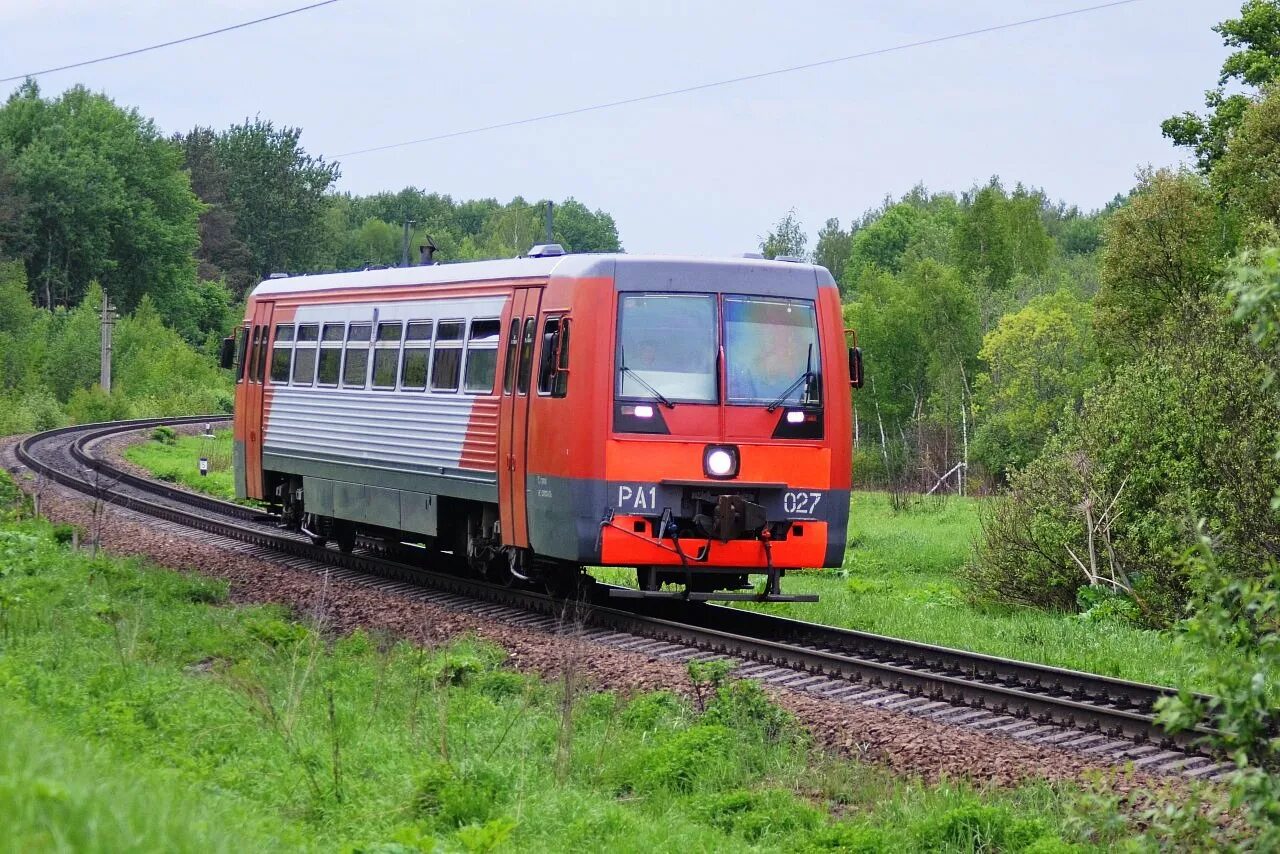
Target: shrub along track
915, 706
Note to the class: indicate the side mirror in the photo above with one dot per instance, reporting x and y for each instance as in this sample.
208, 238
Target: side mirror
855, 367
227, 355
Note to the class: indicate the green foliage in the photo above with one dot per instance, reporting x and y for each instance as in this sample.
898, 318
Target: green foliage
1039, 361
978, 827
107, 199
833, 248
1237, 620
1256, 64
176, 459
1172, 440
1245, 176
272, 188
368, 230
786, 238
1161, 257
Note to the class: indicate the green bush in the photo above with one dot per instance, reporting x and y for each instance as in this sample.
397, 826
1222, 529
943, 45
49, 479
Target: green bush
978, 827
453, 797
91, 405
165, 435
704, 755
755, 816
1185, 432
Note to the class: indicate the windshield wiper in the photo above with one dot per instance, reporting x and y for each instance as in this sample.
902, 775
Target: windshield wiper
657, 395
807, 376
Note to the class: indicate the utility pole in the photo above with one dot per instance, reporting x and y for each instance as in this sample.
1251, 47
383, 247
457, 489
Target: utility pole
550, 221
108, 321
404, 243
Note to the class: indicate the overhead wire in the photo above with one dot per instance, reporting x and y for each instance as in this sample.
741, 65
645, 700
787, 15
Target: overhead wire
653, 96
171, 43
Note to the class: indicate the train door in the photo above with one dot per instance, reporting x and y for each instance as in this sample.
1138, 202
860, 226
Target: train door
517, 374
257, 357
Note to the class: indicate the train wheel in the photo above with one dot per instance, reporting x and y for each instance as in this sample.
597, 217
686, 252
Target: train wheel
344, 534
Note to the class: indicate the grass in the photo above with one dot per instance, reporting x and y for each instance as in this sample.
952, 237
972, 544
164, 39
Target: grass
178, 461
900, 578
142, 711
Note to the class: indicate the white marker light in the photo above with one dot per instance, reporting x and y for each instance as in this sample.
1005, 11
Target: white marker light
795, 417
719, 462
644, 411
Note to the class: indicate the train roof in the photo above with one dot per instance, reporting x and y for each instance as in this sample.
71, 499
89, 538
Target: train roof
783, 274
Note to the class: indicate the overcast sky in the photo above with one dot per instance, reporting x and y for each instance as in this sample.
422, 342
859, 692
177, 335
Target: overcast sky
1071, 105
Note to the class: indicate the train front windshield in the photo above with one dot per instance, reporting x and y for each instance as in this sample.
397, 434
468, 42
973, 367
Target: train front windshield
667, 346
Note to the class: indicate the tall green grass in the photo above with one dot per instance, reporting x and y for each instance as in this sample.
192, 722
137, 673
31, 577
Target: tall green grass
140, 706
901, 578
178, 461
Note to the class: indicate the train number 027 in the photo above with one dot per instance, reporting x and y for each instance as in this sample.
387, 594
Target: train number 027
801, 503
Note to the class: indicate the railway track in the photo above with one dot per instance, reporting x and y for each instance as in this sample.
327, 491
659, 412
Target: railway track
1097, 715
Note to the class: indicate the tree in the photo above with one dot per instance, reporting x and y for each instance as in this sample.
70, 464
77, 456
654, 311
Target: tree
106, 198
1038, 364
1257, 63
1247, 174
983, 249
787, 238
276, 192
222, 255
884, 241
1161, 255
832, 250
579, 229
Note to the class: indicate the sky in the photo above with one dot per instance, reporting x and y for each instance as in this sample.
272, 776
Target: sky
1071, 105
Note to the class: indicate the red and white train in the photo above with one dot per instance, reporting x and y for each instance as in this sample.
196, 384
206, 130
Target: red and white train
689, 418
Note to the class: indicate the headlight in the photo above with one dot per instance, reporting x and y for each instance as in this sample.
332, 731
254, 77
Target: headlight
720, 461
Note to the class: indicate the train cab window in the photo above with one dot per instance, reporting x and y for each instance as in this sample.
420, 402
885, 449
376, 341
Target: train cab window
417, 353
253, 355
446, 359
304, 354
771, 351
386, 354
242, 347
547, 360
482, 356
330, 354
561, 386
282, 354
355, 364
509, 366
526, 357
261, 358
667, 347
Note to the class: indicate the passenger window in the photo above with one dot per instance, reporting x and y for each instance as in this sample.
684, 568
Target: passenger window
386, 355
446, 360
547, 361
417, 352
242, 346
482, 356
509, 367
355, 364
526, 357
281, 354
304, 354
330, 354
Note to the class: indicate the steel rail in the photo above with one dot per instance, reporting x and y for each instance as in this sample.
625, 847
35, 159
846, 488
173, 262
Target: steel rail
1114, 707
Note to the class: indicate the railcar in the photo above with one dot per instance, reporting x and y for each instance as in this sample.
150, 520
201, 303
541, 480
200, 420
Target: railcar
527, 418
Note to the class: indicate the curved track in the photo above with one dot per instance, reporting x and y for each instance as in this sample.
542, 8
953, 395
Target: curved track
1108, 717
